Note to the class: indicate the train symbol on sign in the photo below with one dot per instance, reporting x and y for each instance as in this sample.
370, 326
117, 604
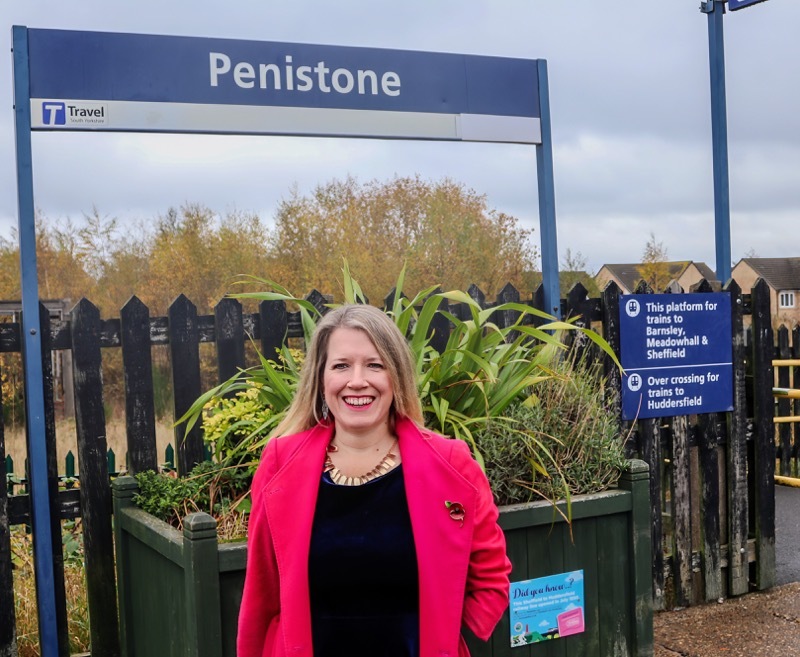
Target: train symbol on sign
632, 307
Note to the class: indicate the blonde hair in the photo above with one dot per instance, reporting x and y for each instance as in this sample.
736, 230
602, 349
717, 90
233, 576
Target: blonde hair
305, 410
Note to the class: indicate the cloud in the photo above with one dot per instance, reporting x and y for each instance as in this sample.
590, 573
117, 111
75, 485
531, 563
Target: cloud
630, 119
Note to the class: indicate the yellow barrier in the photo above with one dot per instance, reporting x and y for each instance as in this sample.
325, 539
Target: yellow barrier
791, 393
787, 481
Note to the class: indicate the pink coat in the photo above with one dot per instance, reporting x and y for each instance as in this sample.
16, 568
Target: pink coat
463, 568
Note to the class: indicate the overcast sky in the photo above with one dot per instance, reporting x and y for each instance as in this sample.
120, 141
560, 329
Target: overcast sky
629, 98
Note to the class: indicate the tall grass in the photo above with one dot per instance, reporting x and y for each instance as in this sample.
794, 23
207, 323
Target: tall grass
25, 591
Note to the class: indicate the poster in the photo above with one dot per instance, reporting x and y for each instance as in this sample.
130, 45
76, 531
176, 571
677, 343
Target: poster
546, 608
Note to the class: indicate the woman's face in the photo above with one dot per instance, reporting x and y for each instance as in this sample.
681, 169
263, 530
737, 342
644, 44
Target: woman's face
356, 384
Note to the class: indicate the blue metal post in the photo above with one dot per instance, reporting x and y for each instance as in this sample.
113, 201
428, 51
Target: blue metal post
32, 346
547, 201
719, 137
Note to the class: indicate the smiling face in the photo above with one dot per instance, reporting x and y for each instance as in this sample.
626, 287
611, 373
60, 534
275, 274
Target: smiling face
357, 386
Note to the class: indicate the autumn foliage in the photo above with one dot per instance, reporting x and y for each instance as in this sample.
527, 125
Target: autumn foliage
445, 233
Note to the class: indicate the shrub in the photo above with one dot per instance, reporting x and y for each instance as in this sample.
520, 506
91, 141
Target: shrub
501, 389
482, 370
573, 421
210, 487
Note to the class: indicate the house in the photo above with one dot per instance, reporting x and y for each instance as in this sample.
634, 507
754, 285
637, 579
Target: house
566, 279
783, 277
627, 276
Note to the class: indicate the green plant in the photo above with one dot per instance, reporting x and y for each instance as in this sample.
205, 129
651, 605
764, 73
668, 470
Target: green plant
482, 387
482, 370
229, 420
573, 420
210, 487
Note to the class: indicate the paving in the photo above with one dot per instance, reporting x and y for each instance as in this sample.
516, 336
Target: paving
760, 624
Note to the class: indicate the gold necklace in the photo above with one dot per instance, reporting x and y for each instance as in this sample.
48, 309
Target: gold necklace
385, 464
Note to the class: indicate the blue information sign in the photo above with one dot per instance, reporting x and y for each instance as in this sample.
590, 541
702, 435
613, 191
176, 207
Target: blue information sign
144, 82
733, 5
677, 354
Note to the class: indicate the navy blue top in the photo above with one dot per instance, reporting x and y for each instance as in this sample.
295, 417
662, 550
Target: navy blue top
362, 571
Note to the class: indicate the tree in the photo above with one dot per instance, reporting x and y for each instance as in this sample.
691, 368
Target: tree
445, 233
199, 254
654, 268
9, 270
574, 270
61, 262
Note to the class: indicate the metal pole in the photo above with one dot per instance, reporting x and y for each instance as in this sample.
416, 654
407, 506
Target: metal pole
32, 349
547, 200
719, 137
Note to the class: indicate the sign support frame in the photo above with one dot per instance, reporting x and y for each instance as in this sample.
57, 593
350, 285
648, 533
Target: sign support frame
715, 10
547, 200
32, 353
31, 339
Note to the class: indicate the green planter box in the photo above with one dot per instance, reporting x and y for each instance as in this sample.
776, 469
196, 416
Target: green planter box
180, 592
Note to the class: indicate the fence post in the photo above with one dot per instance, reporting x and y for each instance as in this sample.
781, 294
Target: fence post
651, 453
708, 439
796, 402
738, 569
635, 479
274, 325
764, 436
201, 566
52, 479
184, 345
95, 494
229, 338
137, 367
578, 305
506, 318
8, 633
681, 496
123, 490
610, 306
439, 329
537, 301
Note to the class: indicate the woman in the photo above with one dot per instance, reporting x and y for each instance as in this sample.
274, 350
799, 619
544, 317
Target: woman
369, 536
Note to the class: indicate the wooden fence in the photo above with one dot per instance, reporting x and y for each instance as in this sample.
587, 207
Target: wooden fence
712, 496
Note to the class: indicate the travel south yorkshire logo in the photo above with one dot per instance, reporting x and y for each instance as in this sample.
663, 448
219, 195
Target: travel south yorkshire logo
74, 114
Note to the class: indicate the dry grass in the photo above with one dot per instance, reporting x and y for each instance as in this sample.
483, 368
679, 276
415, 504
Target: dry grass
25, 592
67, 441
74, 573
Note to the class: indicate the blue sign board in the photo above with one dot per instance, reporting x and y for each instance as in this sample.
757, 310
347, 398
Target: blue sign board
677, 354
135, 82
733, 5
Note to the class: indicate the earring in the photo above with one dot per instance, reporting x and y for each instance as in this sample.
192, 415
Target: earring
324, 410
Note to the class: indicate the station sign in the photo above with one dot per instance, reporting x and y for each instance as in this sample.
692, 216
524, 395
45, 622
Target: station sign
677, 353
152, 83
